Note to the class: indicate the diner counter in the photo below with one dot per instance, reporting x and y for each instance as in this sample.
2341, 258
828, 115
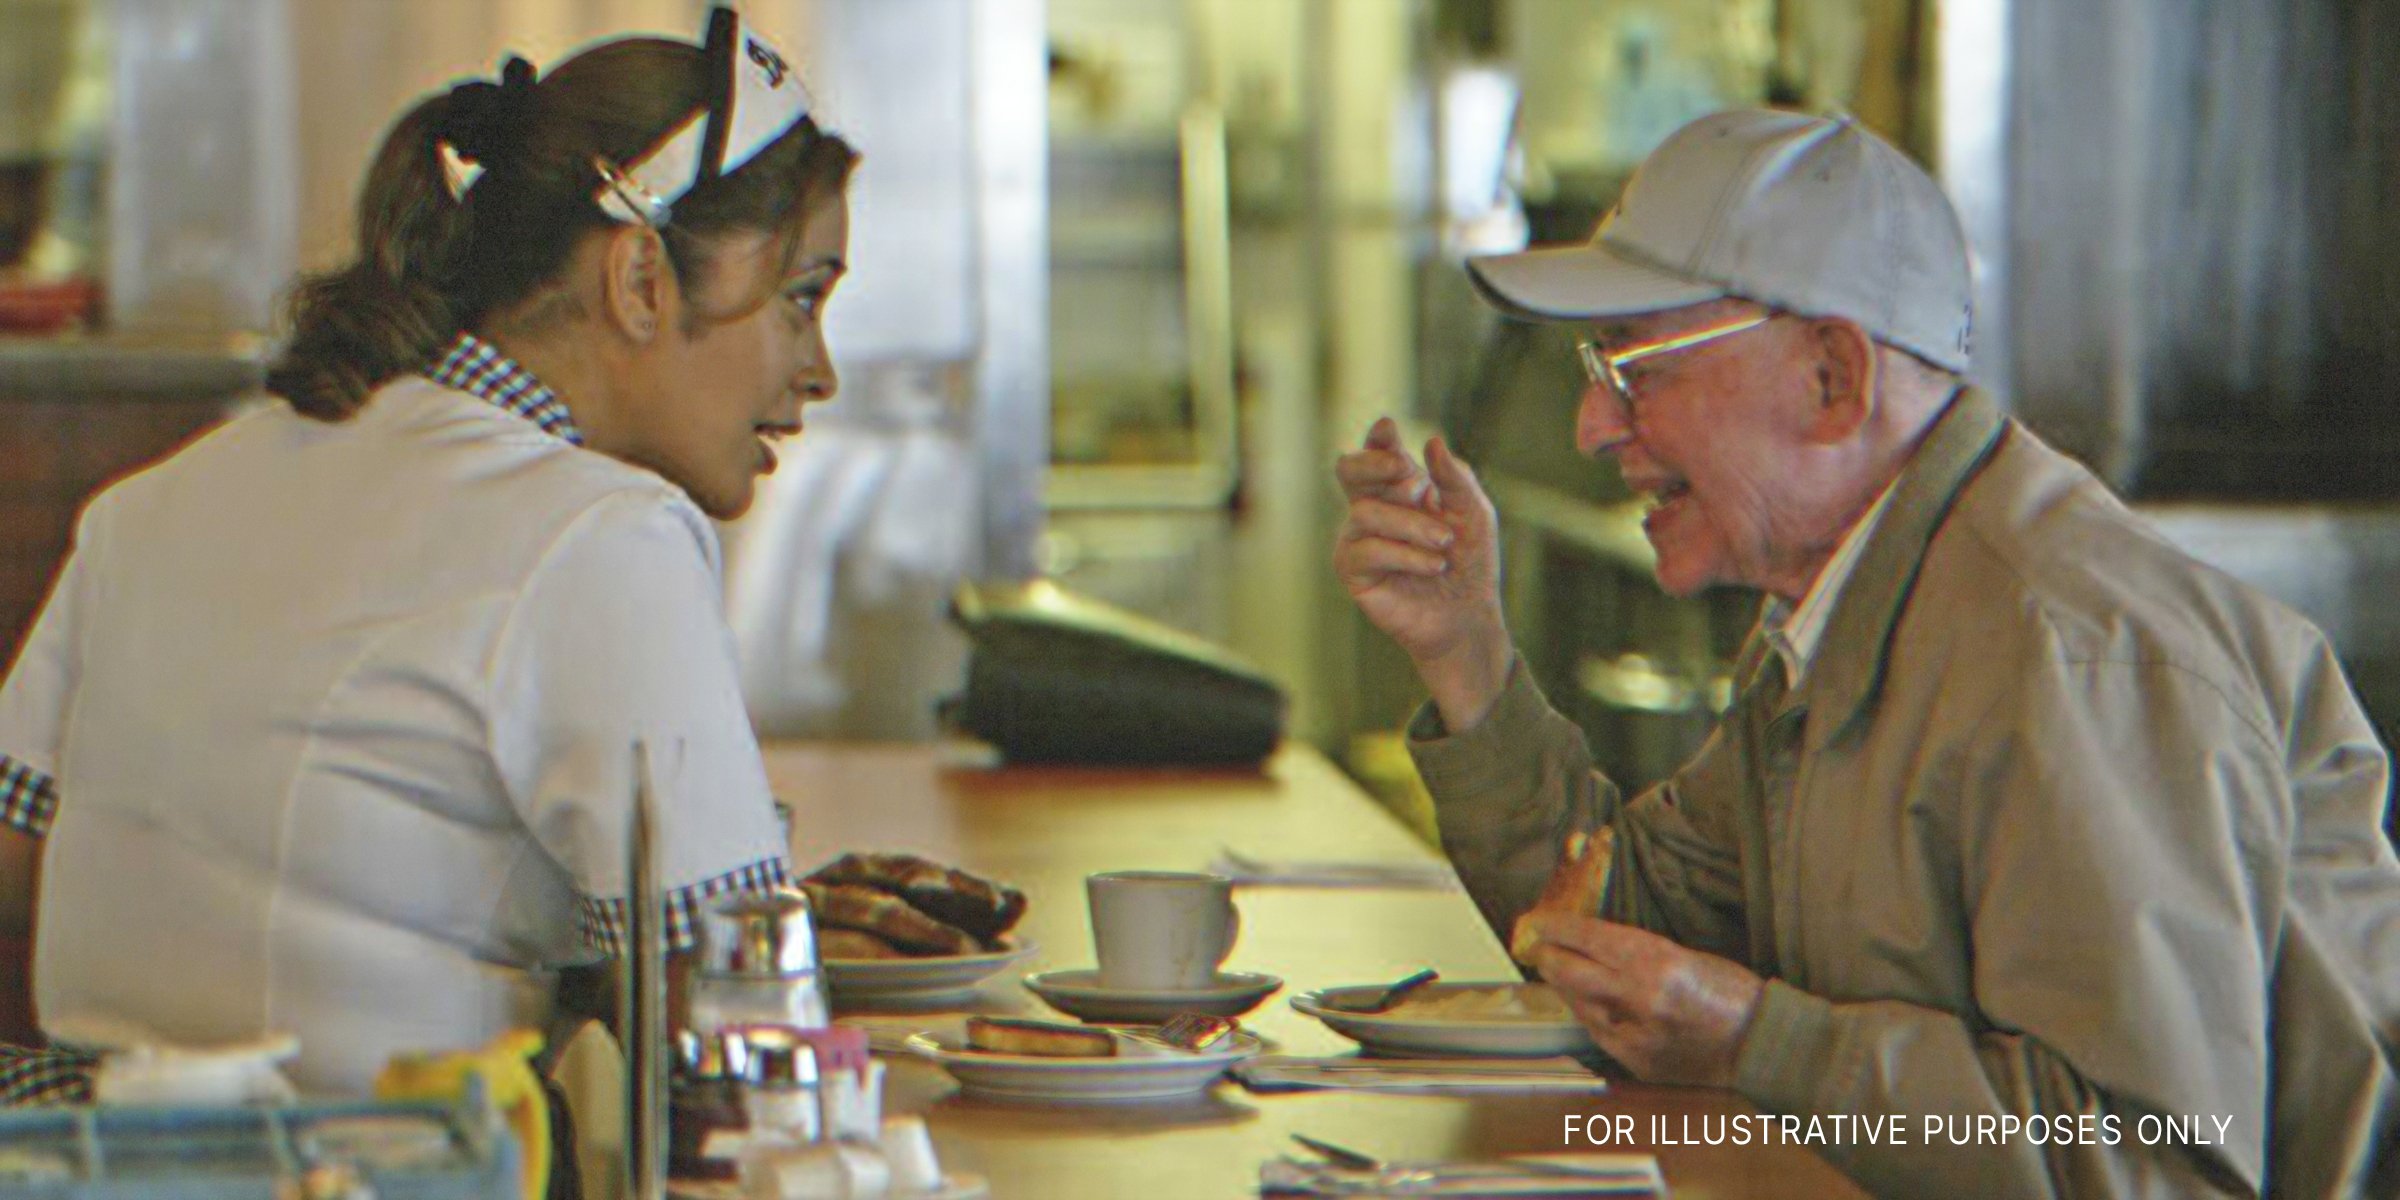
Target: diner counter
1045, 829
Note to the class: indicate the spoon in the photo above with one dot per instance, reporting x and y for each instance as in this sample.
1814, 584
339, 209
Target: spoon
1394, 994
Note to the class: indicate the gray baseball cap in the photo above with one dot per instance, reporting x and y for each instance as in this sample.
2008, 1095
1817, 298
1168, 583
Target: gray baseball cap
1812, 214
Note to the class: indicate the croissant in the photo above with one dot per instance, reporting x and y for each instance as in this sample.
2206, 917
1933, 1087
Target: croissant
982, 908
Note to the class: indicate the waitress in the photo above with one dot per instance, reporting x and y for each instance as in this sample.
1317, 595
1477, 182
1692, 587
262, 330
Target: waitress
326, 727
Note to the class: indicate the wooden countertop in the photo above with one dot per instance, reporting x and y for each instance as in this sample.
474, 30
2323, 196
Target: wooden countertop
1044, 829
64, 367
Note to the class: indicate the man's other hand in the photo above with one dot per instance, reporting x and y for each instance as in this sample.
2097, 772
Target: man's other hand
1419, 552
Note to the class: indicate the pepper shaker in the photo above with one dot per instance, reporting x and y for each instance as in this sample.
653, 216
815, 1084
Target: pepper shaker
708, 1119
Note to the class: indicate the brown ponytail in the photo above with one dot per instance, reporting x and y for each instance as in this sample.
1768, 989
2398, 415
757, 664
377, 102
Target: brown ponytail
430, 266
385, 314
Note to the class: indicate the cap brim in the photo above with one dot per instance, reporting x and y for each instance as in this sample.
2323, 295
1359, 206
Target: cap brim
1567, 283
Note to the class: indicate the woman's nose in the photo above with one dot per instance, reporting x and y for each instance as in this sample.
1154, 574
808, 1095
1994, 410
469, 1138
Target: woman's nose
816, 379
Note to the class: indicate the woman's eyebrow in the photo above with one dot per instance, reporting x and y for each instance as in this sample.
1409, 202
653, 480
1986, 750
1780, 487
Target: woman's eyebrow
827, 264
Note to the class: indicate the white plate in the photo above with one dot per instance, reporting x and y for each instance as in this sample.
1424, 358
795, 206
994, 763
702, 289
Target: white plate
1139, 1071
917, 978
1079, 994
1404, 1034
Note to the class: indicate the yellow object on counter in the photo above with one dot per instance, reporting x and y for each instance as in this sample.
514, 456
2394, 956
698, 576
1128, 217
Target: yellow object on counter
506, 1068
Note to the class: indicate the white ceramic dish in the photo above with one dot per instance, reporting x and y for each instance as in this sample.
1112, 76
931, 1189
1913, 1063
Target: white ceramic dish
1403, 1033
1139, 1071
1079, 994
858, 979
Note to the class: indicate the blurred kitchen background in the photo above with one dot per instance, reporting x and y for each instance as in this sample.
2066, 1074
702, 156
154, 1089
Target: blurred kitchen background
1129, 273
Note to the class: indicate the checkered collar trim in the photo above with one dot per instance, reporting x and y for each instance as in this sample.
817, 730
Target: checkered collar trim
477, 367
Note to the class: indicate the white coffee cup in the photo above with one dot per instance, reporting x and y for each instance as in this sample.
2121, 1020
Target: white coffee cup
1161, 930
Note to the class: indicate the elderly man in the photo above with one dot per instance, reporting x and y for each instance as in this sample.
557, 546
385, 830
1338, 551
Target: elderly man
2023, 820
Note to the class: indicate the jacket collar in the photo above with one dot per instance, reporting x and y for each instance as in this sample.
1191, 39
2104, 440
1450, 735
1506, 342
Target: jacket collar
1847, 671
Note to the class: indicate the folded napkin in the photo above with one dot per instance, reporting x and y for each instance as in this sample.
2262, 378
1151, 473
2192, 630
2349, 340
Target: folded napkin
1532, 1175
1291, 1073
1244, 869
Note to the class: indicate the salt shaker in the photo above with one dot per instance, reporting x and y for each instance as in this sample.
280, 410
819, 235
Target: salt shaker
758, 964
784, 1098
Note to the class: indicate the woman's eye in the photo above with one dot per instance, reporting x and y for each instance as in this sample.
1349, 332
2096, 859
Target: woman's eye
805, 301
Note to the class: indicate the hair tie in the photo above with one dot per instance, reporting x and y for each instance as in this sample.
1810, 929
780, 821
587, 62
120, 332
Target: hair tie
485, 122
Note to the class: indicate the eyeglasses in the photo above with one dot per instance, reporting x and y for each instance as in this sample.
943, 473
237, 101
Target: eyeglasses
1606, 367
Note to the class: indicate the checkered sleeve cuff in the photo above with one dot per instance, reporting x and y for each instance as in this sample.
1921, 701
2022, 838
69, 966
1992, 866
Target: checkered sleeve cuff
28, 798
55, 1076
603, 922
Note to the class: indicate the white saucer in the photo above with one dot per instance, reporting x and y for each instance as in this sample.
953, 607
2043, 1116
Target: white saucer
878, 979
1139, 1071
1080, 994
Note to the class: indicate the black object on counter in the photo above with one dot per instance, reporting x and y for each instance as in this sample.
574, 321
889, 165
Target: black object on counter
1061, 678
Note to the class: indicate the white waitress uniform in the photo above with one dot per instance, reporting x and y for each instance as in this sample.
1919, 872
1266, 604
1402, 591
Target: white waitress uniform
329, 727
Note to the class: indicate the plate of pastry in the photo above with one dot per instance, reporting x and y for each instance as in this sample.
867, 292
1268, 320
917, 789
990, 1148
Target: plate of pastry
899, 927
1497, 1020
1011, 1059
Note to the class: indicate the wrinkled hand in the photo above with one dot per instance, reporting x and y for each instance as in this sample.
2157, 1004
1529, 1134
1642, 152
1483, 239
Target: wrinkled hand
1419, 552
1671, 1015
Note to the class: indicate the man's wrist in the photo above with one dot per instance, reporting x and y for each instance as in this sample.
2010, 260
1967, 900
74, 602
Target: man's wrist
1466, 683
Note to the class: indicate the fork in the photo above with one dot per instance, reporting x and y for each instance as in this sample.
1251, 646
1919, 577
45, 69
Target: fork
1188, 1031
1383, 1175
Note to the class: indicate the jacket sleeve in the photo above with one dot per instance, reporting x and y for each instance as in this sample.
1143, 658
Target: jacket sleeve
1508, 792
2120, 828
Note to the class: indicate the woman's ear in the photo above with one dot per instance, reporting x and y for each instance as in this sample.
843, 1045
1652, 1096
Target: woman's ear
637, 283
1846, 367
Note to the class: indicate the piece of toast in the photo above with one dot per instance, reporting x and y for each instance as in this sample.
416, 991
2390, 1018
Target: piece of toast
1040, 1039
1577, 885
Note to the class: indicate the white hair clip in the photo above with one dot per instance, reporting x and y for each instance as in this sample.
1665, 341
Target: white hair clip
458, 171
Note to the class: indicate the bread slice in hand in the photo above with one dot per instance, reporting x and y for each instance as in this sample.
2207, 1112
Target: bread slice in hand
1577, 886
1041, 1039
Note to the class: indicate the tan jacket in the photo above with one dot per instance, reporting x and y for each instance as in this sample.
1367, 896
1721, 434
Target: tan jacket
2059, 822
